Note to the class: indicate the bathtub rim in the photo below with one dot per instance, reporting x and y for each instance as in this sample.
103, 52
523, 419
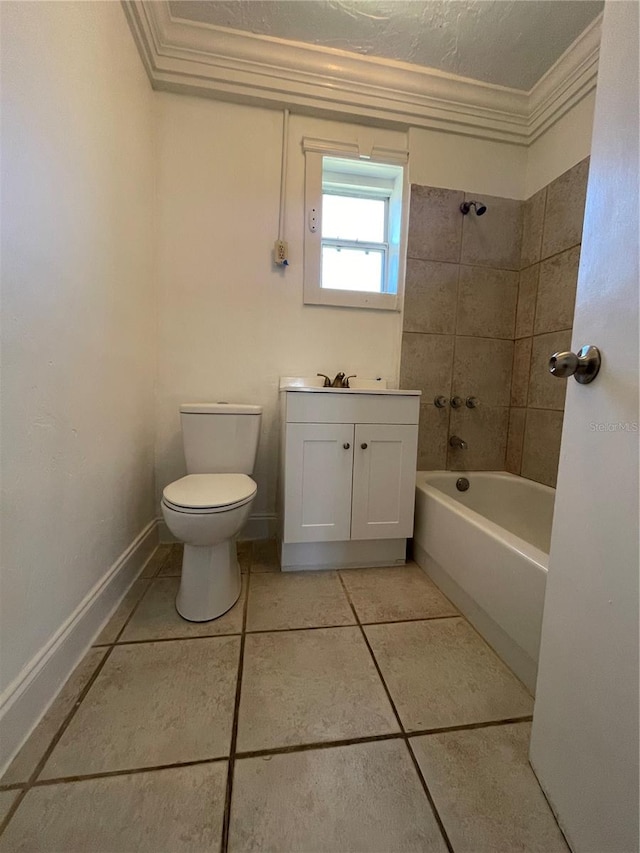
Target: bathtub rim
495, 531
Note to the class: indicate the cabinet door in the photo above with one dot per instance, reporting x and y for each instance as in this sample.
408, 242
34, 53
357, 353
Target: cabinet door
317, 491
384, 481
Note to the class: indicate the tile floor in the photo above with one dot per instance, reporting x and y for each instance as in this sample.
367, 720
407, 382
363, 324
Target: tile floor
338, 711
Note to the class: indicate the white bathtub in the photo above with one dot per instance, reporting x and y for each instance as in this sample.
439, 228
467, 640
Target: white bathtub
488, 550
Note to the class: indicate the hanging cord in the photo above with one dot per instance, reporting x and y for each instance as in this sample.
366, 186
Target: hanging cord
283, 172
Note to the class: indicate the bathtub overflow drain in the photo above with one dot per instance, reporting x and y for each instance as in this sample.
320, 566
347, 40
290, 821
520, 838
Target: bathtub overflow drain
462, 484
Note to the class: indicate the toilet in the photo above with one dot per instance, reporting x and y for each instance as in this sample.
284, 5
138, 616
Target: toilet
207, 509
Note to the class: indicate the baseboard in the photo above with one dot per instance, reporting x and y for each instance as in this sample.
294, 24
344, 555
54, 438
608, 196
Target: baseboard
352, 554
29, 696
261, 525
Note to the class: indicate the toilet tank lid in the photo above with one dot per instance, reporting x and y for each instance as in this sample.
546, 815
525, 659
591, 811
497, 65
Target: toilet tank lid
220, 408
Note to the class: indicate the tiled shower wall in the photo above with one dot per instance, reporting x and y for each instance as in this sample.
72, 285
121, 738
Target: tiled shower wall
487, 300
459, 319
551, 237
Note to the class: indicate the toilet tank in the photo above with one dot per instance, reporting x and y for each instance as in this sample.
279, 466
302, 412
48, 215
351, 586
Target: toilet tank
220, 438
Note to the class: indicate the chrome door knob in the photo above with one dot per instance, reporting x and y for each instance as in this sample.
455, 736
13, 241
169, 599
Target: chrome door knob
583, 366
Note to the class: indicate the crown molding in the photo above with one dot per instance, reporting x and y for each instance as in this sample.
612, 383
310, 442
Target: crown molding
201, 59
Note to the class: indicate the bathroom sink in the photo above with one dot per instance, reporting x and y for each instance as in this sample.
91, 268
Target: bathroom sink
314, 384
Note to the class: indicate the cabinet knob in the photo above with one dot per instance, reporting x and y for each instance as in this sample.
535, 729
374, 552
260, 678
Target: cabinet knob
364, 445
346, 445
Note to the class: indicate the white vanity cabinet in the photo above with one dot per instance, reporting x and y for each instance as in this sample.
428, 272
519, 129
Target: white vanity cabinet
347, 476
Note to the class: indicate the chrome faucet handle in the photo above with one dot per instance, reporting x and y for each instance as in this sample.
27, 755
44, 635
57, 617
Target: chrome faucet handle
471, 402
345, 381
327, 381
440, 401
456, 402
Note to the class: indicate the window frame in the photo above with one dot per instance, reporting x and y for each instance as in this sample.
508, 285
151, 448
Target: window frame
395, 190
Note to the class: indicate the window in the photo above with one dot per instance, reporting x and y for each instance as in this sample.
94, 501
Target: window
354, 229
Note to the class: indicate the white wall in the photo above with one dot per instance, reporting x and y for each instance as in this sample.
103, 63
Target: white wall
78, 322
230, 322
464, 163
566, 143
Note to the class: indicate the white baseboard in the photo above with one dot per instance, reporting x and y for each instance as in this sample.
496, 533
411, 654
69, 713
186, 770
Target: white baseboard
261, 525
28, 697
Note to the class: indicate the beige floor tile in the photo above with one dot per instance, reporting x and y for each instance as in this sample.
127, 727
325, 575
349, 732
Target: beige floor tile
265, 556
387, 595
157, 561
109, 633
27, 759
244, 551
172, 566
7, 799
349, 799
297, 600
485, 791
310, 686
153, 704
441, 673
178, 810
156, 617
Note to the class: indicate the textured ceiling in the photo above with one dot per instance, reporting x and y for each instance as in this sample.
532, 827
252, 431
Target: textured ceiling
507, 42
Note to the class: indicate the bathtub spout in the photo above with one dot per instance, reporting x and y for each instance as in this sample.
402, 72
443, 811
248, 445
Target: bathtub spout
454, 441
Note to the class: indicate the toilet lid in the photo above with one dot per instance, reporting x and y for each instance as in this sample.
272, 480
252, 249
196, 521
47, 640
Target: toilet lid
202, 491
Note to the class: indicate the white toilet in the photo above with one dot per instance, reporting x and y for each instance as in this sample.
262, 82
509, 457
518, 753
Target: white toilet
207, 509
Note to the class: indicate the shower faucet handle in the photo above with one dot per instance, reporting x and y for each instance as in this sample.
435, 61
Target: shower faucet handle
440, 401
456, 402
471, 402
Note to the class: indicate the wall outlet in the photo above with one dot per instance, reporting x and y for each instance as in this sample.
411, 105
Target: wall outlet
281, 252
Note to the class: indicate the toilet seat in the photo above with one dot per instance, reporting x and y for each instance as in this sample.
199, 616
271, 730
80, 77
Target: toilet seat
209, 493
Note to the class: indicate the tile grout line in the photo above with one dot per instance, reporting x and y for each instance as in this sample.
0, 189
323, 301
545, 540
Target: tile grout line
226, 819
423, 781
67, 720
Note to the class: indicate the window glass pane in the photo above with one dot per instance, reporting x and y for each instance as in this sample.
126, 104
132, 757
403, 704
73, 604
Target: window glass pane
352, 269
348, 218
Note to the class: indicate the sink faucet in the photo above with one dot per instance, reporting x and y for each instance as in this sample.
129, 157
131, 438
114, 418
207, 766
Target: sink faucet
454, 441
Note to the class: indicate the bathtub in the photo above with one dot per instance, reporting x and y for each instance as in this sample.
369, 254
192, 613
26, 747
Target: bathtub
488, 551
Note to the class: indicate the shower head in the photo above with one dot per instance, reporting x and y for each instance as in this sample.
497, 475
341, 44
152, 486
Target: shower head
478, 207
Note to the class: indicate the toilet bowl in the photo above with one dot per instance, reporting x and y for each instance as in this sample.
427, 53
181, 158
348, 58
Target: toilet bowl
207, 509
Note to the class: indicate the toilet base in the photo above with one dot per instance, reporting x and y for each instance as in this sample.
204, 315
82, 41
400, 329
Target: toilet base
210, 583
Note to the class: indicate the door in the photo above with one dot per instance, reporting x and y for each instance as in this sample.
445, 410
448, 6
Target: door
317, 492
584, 745
384, 481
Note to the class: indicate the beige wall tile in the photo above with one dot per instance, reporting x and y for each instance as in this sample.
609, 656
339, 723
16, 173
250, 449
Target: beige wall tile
482, 368
564, 212
435, 224
532, 226
515, 438
556, 299
430, 298
485, 431
493, 240
547, 391
427, 363
527, 294
433, 433
521, 368
541, 448
487, 302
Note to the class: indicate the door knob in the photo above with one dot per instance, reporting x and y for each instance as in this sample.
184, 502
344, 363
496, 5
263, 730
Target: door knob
346, 445
583, 366
364, 445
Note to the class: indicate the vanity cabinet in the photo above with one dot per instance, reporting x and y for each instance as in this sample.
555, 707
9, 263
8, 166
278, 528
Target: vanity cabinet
347, 476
